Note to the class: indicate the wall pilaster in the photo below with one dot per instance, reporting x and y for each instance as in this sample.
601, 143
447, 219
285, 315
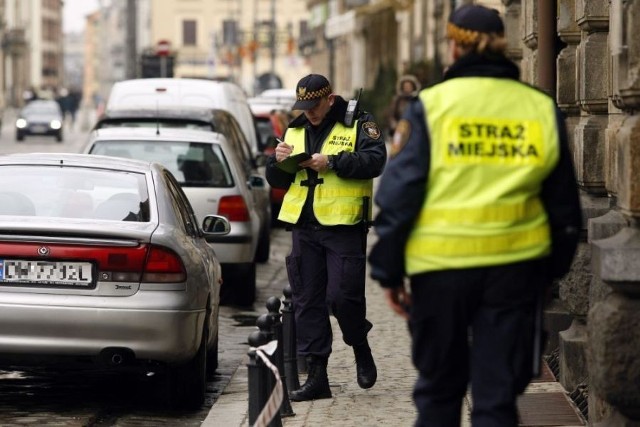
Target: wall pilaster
614, 318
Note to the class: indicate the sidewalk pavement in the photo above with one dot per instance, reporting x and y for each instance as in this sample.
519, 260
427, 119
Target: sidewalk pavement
389, 402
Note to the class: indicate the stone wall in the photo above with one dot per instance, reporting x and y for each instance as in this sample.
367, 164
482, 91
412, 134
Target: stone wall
598, 90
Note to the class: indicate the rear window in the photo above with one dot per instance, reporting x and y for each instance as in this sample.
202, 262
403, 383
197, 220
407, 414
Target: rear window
193, 164
73, 192
265, 130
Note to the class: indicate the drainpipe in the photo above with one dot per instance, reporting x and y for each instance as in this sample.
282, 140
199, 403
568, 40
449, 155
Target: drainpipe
131, 40
546, 46
332, 60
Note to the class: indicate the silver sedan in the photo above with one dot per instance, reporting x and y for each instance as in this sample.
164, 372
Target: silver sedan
102, 260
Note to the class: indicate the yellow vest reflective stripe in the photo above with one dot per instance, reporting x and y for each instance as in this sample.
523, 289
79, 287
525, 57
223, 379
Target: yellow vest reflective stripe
488, 160
336, 201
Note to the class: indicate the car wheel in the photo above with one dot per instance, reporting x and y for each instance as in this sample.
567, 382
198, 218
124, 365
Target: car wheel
187, 383
239, 284
212, 358
275, 211
246, 286
264, 245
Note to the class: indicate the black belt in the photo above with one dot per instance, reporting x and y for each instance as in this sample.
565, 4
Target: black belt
311, 182
316, 227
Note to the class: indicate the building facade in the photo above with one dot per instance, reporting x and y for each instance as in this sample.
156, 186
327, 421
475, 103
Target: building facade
250, 42
586, 54
32, 49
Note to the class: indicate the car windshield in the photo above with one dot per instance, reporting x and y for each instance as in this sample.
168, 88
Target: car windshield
154, 123
41, 107
193, 164
73, 192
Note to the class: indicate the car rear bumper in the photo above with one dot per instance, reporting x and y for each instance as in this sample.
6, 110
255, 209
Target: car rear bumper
163, 335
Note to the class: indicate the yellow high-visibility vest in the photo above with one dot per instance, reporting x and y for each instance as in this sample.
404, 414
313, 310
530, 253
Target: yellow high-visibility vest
489, 156
336, 201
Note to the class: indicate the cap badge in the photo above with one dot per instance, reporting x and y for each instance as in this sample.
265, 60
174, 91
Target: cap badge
302, 92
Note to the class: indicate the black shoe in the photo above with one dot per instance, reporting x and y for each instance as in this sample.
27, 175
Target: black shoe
317, 384
365, 366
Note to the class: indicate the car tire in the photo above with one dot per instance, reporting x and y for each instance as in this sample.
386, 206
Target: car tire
187, 383
264, 245
275, 211
246, 285
19, 136
212, 358
59, 136
239, 284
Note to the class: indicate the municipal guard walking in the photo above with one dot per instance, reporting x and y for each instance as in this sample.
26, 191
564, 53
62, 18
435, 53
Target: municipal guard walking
327, 208
480, 210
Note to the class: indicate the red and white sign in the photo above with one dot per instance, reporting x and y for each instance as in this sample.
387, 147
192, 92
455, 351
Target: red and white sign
163, 47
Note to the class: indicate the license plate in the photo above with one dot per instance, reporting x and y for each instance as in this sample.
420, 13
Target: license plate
39, 129
46, 272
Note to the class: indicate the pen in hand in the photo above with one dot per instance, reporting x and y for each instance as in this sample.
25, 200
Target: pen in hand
283, 150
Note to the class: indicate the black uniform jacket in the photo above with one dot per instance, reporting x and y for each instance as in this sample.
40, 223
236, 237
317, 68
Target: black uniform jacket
366, 162
402, 188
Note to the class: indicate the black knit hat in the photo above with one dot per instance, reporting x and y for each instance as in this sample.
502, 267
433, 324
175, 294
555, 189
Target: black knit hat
310, 90
476, 18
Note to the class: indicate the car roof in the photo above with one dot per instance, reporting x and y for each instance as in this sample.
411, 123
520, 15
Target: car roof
279, 93
194, 113
82, 160
163, 134
173, 81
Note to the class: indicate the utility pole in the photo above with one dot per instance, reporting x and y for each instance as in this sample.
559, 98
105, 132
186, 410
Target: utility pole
273, 37
131, 40
253, 50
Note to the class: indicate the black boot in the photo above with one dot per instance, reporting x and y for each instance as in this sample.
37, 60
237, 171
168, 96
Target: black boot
317, 384
365, 366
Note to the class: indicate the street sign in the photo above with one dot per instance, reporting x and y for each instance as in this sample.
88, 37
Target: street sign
163, 47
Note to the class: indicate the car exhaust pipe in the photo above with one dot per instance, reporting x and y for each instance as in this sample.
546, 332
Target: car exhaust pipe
116, 356
117, 359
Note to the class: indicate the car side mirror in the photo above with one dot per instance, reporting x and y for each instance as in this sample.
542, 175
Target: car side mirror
261, 160
257, 181
216, 225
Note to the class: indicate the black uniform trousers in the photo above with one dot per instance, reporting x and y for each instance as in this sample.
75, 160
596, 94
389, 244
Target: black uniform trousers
474, 325
326, 271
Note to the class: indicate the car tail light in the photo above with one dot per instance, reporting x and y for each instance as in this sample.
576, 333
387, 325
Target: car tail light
164, 266
145, 263
234, 208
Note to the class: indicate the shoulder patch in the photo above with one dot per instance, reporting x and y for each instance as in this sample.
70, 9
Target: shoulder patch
371, 129
400, 137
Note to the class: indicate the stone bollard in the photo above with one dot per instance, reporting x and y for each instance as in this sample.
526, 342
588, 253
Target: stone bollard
289, 342
273, 305
257, 377
301, 362
264, 323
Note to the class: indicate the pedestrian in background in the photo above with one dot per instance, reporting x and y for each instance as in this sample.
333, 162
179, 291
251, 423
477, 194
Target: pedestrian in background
407, 89
324, 209
480, 210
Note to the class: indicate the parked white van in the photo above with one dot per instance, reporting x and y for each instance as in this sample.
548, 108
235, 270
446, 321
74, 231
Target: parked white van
179, 92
